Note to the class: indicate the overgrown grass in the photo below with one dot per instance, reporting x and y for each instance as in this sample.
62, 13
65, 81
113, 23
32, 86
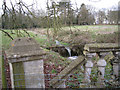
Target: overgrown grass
90, 34
42, 40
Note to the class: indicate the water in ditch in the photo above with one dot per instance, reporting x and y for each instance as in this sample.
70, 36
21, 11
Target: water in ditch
69, 51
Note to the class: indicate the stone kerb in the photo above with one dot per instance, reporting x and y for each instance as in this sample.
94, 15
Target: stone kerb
26, 62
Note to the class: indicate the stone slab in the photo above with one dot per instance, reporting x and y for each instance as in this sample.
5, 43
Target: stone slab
23, 47
54, 82
102, 47
34, 74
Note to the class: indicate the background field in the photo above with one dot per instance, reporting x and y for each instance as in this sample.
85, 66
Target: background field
79, 35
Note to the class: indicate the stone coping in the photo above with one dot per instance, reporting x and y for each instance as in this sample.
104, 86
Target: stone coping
102, 47
24, 47
20, 55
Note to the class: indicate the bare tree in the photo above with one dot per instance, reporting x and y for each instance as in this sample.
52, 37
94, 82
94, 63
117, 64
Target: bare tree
85, 16
101, 17
12, 18
112, 17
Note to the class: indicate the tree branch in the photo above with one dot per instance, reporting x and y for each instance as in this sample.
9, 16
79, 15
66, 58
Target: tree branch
7, 34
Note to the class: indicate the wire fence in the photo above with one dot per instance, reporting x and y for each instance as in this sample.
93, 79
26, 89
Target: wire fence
74, 79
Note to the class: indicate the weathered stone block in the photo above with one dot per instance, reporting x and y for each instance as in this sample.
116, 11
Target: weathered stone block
34, 75
26, 64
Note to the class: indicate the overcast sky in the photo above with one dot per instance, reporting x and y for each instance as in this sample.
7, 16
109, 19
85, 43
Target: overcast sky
95, 3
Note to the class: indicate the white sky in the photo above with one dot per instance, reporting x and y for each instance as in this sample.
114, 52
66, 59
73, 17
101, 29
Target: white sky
95, 3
